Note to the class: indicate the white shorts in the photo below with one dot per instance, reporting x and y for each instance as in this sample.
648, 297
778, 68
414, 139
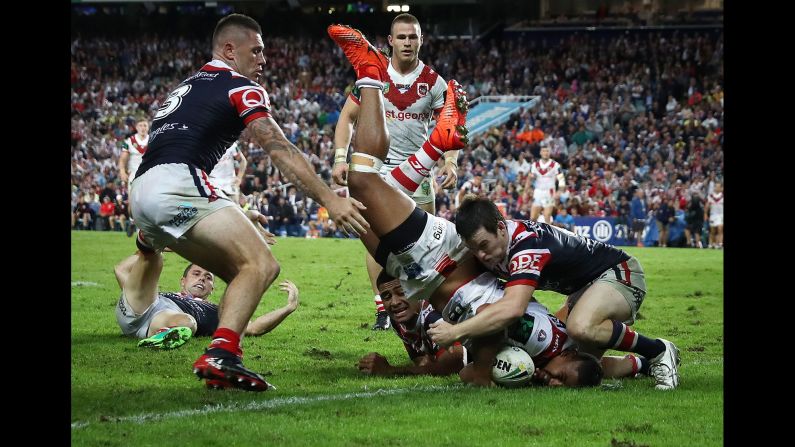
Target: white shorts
542, 198
420, 267
137, 325
464, 304
168, 199
715, 220
425, 192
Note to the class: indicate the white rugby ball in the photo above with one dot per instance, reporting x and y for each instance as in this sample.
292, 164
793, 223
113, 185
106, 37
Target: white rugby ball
513, 367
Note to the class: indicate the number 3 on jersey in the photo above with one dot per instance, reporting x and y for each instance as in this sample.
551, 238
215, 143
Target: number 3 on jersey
173, 101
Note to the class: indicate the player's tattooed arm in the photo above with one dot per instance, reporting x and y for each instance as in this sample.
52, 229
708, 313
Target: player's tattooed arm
290, 161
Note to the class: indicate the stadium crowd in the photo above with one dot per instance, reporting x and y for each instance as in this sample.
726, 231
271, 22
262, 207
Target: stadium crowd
635, 119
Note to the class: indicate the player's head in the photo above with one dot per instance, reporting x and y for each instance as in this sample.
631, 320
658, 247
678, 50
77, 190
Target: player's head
399, 308
142, 126
544, 151
718, 187
482, 227
571, 369
237, 40
405, 38
197, 281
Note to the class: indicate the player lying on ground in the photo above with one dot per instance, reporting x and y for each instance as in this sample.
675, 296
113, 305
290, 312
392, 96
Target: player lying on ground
605, 286
410, 320
167, 320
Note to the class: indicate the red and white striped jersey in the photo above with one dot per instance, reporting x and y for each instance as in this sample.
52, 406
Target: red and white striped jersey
715, 201
136, 146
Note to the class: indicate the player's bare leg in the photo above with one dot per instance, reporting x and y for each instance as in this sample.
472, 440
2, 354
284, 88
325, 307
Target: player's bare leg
244, 261
535, 211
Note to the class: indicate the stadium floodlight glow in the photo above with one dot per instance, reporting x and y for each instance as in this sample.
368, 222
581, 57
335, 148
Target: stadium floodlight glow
404, 8
393, 8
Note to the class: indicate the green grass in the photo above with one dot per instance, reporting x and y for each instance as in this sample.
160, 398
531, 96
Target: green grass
123, 395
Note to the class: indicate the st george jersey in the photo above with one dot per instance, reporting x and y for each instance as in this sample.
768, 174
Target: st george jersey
409, 104
416, 340
205, 312
136, 147
545, 175
715, 202
551, 258
539, 333
203, 116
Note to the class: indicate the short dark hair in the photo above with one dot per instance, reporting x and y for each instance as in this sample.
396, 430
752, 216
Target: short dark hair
474, 213
239, 20
187, 269
403, 18
383, 278
589, 370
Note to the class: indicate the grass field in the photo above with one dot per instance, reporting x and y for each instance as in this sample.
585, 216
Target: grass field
126, 396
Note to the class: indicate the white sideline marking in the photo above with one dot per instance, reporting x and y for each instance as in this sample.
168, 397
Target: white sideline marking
83, 283
264, 405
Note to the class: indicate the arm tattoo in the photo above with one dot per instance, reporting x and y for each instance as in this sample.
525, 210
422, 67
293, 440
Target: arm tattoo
287, 158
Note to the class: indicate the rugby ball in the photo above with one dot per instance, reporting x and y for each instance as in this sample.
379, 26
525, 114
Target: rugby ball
513, 367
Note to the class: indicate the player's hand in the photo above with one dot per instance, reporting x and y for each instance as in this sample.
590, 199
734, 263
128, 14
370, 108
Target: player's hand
123, 176
442, 333
345, 214
292, 293
450, 175
260, 220
470, 375
374, 363
339, 173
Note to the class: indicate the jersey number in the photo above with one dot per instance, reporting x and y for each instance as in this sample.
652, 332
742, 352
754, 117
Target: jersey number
173, 101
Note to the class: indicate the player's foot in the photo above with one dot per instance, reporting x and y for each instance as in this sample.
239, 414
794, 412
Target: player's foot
665, 367
167, 338
367, 61
450, 132
381, 321
222, 369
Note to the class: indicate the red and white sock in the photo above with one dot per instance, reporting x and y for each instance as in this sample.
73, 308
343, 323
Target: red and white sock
408, 175
379, 305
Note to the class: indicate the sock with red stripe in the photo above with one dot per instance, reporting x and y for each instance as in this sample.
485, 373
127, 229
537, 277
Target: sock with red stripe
379, 305
228, 340
625, 339
409, 174
639, 364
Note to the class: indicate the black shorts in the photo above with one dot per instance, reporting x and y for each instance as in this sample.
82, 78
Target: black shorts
403, 237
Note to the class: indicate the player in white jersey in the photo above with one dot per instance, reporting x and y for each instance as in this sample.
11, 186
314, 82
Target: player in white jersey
546, 175
714, 210
132, 150
223, 174
413, 94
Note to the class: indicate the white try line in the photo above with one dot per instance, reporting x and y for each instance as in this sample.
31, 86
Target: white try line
264, 405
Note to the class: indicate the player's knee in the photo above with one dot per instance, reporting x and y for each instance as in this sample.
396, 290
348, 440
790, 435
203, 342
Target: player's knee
580, 329
183, 320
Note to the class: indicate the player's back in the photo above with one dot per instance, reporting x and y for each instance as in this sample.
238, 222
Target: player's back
202, 117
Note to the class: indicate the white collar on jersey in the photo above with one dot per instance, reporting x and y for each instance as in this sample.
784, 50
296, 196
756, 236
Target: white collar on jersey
219, 64
404, 78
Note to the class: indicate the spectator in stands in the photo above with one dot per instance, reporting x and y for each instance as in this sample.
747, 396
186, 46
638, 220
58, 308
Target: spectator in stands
564, 220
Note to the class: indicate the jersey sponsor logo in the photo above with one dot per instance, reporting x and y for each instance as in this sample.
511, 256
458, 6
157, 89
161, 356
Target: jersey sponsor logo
248, 98
164, 128
173, 101
602, 231
202, 76
185, 212
426, 189
402, 116
122, 307
438, 230
422, 89
529, 261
